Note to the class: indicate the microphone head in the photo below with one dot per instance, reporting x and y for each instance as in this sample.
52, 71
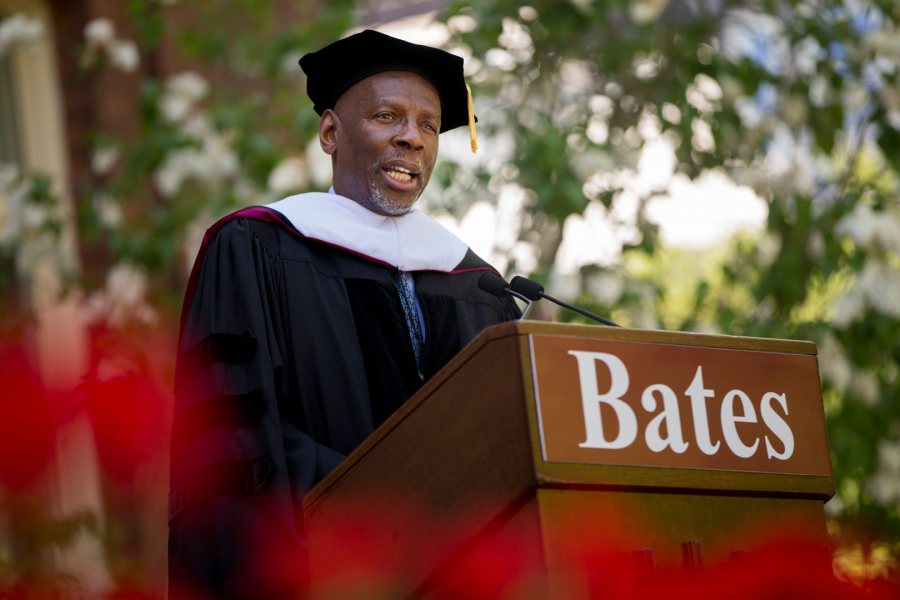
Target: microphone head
493, 284
528, 288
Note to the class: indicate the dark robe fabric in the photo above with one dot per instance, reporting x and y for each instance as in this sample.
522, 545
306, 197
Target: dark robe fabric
292, 351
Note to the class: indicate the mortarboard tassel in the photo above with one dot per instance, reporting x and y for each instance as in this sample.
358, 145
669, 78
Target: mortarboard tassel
473, 136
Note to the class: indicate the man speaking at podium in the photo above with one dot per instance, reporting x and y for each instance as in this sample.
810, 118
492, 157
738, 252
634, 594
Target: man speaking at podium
307, 322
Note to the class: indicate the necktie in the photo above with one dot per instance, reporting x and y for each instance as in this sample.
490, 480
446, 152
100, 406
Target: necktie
412, 321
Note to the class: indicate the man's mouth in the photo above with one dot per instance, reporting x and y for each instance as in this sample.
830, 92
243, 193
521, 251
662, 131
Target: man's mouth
400, 174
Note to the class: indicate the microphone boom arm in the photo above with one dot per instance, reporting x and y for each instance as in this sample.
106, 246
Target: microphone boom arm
579, 310
535, 291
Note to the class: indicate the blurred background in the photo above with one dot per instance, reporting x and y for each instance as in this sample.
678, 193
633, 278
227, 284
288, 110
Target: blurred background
699, 165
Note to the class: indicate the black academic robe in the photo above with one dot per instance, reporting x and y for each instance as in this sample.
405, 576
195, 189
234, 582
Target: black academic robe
292, 351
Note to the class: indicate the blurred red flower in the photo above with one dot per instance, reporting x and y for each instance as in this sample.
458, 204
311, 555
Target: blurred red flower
27, 420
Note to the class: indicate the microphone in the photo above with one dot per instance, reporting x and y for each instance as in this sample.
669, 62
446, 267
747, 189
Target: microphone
495, 285
535, 291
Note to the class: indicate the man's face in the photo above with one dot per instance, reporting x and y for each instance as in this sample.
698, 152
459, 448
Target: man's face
383, 139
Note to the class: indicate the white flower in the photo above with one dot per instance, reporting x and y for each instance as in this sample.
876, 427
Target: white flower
19, 194
884, 42
210, 165
858, 225
849, 307
289, 64
100, 36
94, 308
122, 300
197, 127
19, 29
586, 163
703, 93
289, 175
99, 32
500, 59
880, 282
181, 93
517, 40
889, 456
123, 54
564, 285
893, 118
319, 164
834, 507
104, 159
222, 162
170, 175
33, 216
174, 108
749, 111
21, 217
870, 230
702, 138
109, 212
126, 283
790, 163
877, 287
189, 84
819, 91
606, 286
646, 11
807, 55
833, 363
462, 23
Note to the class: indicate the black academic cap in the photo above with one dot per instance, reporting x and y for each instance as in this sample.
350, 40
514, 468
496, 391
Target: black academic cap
335, 68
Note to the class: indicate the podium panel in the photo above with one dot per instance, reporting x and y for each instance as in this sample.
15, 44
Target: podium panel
679, 406
690, 442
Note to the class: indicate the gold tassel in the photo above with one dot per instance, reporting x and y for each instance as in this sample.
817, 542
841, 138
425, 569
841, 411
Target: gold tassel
473, 136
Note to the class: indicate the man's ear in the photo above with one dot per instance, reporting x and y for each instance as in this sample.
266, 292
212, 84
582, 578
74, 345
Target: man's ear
328, 133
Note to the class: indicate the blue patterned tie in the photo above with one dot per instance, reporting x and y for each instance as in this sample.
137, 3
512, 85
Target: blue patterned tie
412, 321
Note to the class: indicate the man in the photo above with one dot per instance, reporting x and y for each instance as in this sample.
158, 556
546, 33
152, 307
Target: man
306, 323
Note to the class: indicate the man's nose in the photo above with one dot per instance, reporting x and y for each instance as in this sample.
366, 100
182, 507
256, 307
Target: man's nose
409, 136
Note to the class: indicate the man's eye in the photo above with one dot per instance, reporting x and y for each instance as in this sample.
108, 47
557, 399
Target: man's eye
430, 127
385, 116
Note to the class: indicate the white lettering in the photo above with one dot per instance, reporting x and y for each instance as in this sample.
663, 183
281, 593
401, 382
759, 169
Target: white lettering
748, 415
591, 399
669, 416
698, 395
777, 424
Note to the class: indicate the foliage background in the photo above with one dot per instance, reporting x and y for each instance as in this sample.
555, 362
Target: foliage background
798, 101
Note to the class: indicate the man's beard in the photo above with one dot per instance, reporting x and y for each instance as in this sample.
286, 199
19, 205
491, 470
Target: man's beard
382, 205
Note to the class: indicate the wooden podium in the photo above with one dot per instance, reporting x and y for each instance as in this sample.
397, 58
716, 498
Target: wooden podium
687, 449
